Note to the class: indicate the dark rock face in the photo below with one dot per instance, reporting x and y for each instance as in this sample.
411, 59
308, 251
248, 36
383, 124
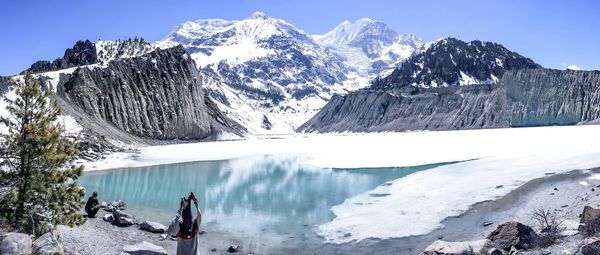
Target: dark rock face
4, 84
158, 95
513, 234
591, 248
469, 107
590, 221
444, 63
83, 53
526, 97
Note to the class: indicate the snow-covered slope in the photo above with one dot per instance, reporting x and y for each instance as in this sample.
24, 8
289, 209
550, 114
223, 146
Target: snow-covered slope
111, 50
265, 73
370, 46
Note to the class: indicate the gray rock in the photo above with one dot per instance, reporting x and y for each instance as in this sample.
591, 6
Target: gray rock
589, 221
118, 204
83, 53
16, 244
494, 251
440, 247
522, 98
153, 227
233, 248
123, 221
48, 244
122, 218
591, 247
144, 248
513, 234
108, 217
110, 208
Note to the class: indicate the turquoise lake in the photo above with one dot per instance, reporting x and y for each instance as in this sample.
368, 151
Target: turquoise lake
264, 194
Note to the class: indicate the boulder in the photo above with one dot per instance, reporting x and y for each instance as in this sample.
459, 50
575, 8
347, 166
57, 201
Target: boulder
153, 227
110, 208
440, 247
16, 244
233, 248
513, 234
123, 221
108, 218
144, 248
48, 244
494, 251
589, 221
591, 246
118, 204
122, 218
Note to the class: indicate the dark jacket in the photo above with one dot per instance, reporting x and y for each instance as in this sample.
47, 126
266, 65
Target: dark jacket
91, 203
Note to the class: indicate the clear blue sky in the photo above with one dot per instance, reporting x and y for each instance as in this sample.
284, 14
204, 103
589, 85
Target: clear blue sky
554, 33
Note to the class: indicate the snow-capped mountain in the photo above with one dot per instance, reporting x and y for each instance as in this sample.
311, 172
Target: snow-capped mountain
370, 46
452, 62
264, 72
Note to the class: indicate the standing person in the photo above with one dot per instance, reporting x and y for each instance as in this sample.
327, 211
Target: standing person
185, 227
92, 206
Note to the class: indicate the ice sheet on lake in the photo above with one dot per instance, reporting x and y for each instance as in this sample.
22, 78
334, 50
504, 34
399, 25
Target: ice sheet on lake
372, 150
416, 204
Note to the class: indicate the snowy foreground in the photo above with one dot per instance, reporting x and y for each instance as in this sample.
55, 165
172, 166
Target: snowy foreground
493, 163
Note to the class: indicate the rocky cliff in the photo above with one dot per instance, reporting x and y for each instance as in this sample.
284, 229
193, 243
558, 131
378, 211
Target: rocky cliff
83, 53
552, 97
527, 97
158, 95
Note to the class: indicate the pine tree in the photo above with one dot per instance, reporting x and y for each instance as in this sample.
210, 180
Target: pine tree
38, 188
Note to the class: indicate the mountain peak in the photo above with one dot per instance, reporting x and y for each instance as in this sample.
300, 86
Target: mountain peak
259, 15
452, 62
347, 32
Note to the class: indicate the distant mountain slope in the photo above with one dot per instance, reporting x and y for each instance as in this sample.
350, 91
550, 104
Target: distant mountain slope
428, 92
522, 98
452, 62
370, 46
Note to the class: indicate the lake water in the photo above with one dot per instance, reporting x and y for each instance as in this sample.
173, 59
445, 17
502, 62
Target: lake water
266, 195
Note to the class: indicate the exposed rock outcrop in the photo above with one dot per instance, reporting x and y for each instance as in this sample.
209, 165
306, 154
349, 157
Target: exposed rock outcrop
4, 84
158, 95
527, 97
468, 107
590, 221
83, 53
546, 97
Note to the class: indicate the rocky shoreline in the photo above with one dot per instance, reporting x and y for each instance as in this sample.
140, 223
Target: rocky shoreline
563, 195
